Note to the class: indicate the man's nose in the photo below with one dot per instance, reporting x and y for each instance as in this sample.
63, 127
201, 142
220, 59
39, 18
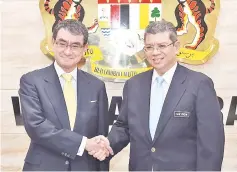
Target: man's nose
156, 51
68, 50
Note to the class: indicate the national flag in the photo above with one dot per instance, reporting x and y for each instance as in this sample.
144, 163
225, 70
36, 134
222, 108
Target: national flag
134, 16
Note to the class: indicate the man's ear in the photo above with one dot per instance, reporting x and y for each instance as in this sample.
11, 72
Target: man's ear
177, 46
53, 44
53, 41
85, 47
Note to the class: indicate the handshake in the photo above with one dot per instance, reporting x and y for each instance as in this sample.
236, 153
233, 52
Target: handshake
99, 147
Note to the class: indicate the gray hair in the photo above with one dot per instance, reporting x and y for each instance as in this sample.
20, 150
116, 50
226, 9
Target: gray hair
160, 27
75, 27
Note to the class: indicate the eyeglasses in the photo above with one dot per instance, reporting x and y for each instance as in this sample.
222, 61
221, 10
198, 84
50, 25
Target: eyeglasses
151, 48
63, 45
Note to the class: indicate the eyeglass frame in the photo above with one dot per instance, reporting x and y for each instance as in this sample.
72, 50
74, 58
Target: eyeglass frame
64, 47
158, 48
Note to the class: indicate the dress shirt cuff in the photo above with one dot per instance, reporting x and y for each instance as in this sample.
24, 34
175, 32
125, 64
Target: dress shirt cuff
82, 146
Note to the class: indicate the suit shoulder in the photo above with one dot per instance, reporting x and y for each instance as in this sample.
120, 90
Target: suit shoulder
195, 75
140, 76
35, 74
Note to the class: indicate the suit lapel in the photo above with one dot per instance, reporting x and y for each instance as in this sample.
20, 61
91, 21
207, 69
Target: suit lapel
82, 94
55, 95
144, 107
174, 94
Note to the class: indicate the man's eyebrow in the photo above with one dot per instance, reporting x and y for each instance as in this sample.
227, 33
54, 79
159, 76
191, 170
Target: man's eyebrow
160, 43
60, 39
76, 43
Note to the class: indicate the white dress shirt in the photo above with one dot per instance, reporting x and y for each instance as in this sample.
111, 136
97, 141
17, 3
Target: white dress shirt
158, 94
167, 79
59, 72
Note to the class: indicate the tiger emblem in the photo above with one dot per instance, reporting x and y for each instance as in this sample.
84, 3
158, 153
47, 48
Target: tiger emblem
68, 9
193, 11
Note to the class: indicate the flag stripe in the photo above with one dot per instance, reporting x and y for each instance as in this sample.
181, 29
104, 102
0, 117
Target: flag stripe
115, 16
156, 1
149, 1
102, 1
124, 1
134, 1
134, 23
144, 15
113, 1
124, 16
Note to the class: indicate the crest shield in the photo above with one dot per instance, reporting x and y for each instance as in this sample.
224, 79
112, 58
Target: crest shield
116, 30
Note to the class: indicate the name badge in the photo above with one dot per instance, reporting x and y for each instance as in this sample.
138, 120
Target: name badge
181, 114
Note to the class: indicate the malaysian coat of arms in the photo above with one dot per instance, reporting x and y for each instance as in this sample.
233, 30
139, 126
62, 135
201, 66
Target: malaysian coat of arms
116, 31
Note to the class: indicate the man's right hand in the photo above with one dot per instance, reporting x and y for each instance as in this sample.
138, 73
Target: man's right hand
99, 147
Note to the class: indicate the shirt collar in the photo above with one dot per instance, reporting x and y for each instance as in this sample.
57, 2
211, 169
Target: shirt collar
60, 71
167, 76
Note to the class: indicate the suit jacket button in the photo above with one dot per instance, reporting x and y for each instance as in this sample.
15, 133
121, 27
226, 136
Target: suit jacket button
66, 162
153, 149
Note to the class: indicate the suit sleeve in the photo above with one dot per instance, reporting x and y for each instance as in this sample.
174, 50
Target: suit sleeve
210, 129
40, 129
119, 135
103, 122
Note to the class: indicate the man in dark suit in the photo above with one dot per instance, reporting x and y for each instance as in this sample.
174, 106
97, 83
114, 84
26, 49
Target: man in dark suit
170, 115
64, 108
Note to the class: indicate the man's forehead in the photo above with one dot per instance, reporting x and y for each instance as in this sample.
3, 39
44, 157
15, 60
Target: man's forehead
162, 35
65, 35
160, 40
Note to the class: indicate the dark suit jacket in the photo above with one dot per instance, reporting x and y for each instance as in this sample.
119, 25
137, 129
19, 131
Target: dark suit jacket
194, 141
53, 145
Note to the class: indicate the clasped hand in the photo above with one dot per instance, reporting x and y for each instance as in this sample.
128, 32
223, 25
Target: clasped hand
99, 147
